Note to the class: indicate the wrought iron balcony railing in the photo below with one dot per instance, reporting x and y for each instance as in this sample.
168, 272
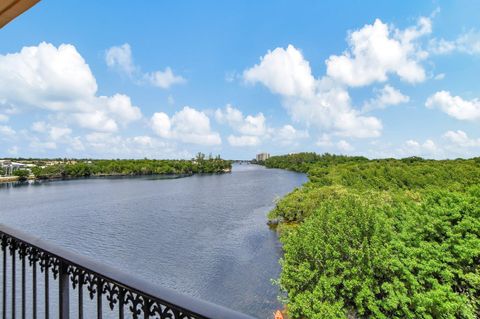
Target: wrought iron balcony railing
39, 263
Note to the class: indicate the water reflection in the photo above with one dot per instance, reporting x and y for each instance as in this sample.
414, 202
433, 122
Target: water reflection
205, 236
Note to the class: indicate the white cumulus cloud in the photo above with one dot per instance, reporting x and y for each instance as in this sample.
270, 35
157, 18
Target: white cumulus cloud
378, 49
247, 125
455, 106
46, 76
120, 58
468, 43
164, 79
321, 103
253, 130
426, 149
59, 80
384, 97
141, 146
96, 121
161, 124
461, 139
289, 135
50, 136
344, 146
283, 71
57, 133
187, 125
121, 108
243, 140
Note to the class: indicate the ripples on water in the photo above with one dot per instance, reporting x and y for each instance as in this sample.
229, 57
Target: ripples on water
205, 236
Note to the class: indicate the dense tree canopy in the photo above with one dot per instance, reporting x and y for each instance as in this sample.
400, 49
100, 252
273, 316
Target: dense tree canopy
301, 162
86, 168
381, 238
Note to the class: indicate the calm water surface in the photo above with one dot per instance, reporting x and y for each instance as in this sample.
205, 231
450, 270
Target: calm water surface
205, 236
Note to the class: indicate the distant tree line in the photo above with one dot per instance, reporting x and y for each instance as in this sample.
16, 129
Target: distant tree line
85, 168
380, 238
300, 162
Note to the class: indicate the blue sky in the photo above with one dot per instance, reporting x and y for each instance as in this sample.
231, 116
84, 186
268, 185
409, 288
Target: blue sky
168, 79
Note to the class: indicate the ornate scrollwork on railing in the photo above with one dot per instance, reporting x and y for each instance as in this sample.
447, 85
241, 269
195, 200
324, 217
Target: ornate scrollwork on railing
4, 242
135, 303
55, 266
120, 295
32, 255
12, 245
112, 292
159, 311
43, 261
76, 276
22, 251
91, 283
48, 262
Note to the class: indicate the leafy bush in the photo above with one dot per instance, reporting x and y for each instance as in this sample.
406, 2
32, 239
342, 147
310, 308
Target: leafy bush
22, 174
382, 239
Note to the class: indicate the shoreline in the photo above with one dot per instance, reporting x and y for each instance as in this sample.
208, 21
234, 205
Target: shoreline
9, 179
15, 179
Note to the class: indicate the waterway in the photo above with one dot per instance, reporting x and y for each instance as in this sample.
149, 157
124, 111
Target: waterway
203, 235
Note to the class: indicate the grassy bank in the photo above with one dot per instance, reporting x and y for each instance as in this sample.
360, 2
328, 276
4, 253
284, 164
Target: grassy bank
380, 238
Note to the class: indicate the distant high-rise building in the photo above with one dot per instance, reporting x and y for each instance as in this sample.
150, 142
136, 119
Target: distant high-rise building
262, 157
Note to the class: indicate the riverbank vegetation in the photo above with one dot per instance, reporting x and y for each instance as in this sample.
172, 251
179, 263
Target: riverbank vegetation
380, 238
86, 168
21, 174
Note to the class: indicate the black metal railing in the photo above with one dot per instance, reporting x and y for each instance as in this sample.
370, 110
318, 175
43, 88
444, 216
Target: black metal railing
126, 296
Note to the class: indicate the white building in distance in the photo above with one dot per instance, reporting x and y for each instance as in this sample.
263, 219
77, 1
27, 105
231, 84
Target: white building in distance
262, 157
9, 167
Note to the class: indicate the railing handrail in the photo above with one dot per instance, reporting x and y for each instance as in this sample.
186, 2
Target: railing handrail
169, 297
